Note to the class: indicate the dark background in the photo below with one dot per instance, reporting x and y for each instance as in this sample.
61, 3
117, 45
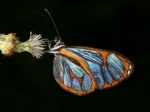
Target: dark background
27, 84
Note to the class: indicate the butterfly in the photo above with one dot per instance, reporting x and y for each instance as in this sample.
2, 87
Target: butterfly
80, 70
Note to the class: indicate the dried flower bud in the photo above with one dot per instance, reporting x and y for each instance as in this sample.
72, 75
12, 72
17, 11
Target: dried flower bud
10, 44
7, 43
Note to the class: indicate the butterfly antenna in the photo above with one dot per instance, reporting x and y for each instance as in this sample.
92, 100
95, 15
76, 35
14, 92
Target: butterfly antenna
57, 38
41, 15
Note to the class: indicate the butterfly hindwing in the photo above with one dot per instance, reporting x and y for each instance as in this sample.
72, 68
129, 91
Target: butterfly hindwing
71, 77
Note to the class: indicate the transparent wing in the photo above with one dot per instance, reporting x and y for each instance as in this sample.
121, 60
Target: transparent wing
70, 76
80, 70
108, 68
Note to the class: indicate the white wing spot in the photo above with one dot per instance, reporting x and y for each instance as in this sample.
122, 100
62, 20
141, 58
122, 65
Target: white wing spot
130, 67
129, 72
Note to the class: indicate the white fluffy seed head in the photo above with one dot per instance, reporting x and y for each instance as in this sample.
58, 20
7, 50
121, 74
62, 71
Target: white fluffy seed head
35, 45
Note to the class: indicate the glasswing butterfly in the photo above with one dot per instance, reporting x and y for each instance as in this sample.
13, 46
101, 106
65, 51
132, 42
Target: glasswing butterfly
80, 70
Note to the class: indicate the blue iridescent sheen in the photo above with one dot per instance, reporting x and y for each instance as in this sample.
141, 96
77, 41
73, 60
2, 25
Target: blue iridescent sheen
86, 82
115, 66
75, 84
67, 78
87, 54
74, 68
96, 71
79, 72
106, 75
113, 73
56, 69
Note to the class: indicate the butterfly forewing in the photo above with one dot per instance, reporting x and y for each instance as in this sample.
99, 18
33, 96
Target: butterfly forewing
80, 70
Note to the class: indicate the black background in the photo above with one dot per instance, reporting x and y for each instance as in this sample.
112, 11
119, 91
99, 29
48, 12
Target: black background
27, 84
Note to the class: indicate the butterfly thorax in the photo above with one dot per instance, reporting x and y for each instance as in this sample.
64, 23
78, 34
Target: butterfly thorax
56, 48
